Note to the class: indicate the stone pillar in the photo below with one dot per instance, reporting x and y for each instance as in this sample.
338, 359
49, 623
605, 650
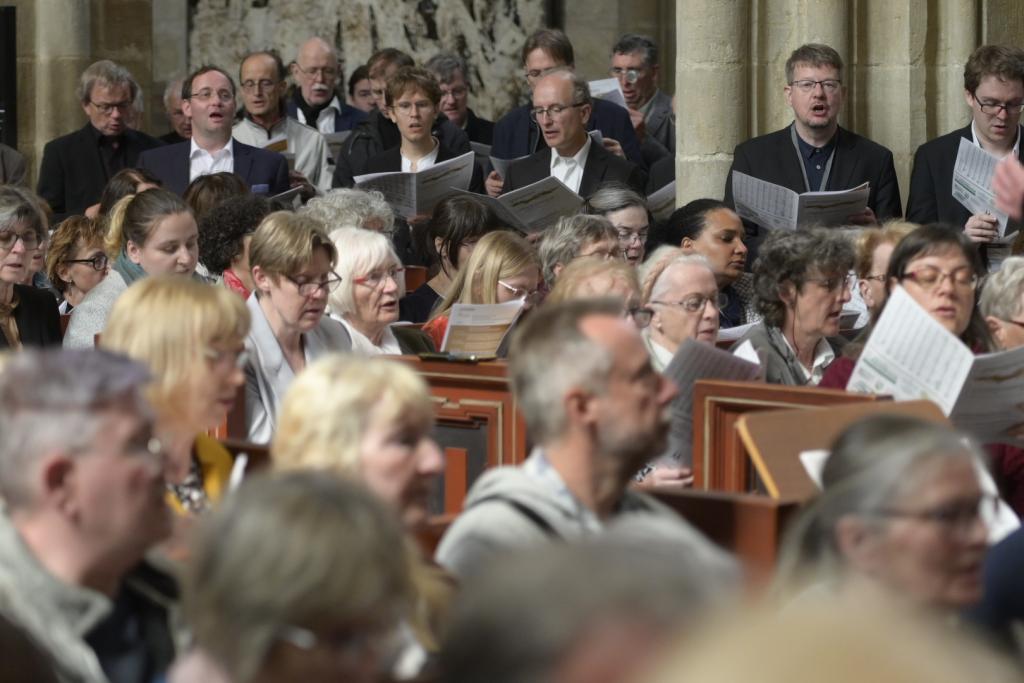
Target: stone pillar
170, 57
711, 84
949, 47
62, 51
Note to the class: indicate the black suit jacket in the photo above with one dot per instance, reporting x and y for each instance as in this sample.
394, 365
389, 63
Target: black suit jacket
478, 129
72, 175
263, 171
772, 158
37, 318
602, 166
931, 182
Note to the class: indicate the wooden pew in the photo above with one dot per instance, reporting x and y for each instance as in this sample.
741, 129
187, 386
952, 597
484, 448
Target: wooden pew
720, 460
478, 423
775, 439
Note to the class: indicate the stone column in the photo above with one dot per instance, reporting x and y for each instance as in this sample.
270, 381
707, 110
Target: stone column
62, 51
711, 85
170, 56
957, 37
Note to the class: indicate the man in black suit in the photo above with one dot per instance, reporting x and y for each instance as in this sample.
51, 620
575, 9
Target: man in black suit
561, 107
452, 73
76, 167
994, 90
208, 99
814, 152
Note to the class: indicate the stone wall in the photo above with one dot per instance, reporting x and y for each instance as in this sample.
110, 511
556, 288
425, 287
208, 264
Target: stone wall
904, 72
487, 34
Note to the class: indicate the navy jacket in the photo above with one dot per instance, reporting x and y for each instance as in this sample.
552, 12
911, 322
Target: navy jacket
517, 135
265, 172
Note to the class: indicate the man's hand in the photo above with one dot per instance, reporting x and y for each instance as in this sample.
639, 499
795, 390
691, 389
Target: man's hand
865, 217
613, 146
296, 179
494, 184
982, 227
668, 478
1008, 183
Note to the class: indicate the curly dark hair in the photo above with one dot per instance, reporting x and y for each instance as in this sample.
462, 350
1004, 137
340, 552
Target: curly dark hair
224, 226
790, 257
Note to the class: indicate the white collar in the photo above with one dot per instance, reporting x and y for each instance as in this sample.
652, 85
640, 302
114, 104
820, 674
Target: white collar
225, 151
362, 344
1016, 143
823, 355
580, 157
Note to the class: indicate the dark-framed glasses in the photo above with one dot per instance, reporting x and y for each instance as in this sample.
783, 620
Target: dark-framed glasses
990, 107
929, 277
554, 111
835, 283
311, 287
29, 239
97, 262
829, 85
695, 303
106, 108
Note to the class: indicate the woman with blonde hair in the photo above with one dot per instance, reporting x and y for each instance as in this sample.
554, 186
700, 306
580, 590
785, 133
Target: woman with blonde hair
75, 261
192, 337
150, 233
370, 419
503, 267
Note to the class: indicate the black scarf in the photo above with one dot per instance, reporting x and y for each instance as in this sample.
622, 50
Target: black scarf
311, 112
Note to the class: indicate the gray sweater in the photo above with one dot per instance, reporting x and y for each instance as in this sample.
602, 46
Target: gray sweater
90, 317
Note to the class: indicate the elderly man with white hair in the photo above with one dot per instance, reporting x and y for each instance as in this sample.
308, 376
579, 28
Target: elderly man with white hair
82, 480
595, 410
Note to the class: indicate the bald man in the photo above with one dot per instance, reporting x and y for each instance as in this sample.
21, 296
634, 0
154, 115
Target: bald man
315, 101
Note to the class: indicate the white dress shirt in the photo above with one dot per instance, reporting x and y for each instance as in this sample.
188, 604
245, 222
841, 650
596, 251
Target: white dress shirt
423, 163
325, 119
201, 162
570, 169
823, 356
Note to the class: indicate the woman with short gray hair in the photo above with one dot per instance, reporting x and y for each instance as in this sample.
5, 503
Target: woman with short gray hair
320, 603
1002, 303
628, 214
350, 208
801, 282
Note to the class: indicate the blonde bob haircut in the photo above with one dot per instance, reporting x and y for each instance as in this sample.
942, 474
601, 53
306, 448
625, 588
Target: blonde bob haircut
870, 239
333, 402
284, 243
361, 252
594, 277
168, 323
498, 255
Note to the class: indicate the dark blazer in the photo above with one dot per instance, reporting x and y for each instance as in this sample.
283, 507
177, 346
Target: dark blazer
478, 129
772, 157
391, 162
263, 171
663, 172
602, 166
931, 182
12, 166
72, 175
517, 135
37, 318
346, 119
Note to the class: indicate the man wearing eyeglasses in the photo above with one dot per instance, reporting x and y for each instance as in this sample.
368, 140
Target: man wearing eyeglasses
635, 66
562, 106
208, 98
814, 152
76, 167
315, 101
451, 72
262, 76
994, 90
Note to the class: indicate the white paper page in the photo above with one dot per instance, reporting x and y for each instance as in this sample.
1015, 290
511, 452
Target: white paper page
693, 361
764, 203
596, 136
833, 207
506, 217
437, 182
972, 181
911, 356
992, 399
663, 202
539, 206
608, 89
814, 464
733, 333
501, 165
747, 352
479, 328
399, 190
288, 195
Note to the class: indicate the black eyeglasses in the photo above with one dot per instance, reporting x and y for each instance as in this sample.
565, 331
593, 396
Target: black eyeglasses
8, 238
554, 111
309, 288
98, 262
1011, 108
